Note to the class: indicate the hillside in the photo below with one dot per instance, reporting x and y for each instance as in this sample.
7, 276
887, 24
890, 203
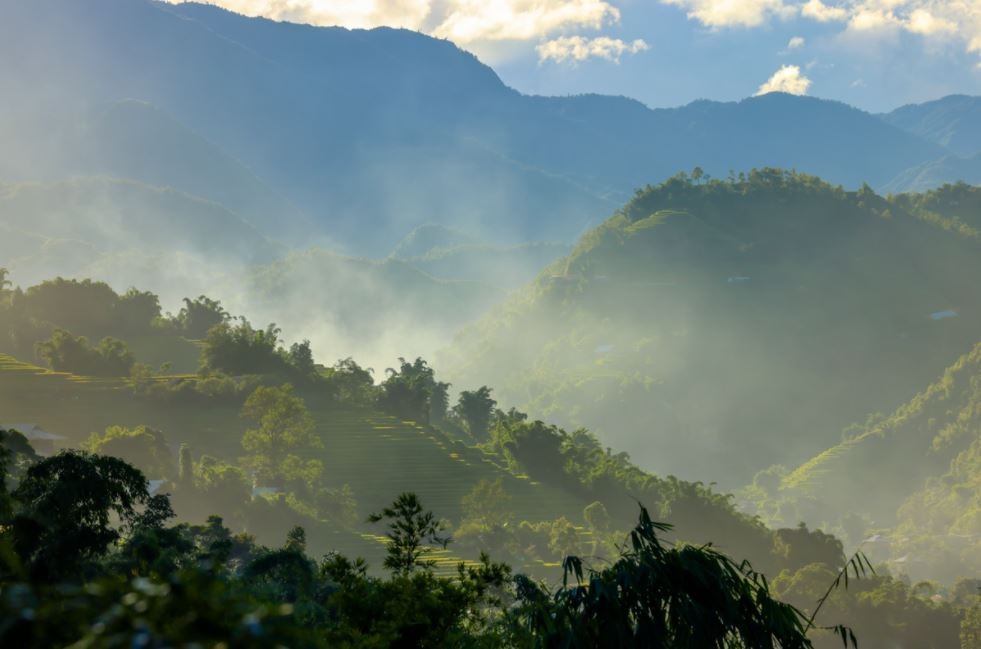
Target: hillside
912, 473
452, 255
123, 232
937, 173
704, 321
372, 133
137, 141
953, 122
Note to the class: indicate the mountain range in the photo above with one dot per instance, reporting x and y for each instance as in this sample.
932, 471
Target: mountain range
351, 138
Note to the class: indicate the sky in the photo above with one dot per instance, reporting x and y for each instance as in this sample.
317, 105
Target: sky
874, 54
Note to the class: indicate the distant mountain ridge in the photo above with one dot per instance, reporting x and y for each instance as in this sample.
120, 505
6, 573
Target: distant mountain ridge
371, 133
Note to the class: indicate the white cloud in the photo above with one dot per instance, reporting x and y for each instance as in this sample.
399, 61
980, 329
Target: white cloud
796, 43
921, 21
578, 48
348, 13
787, 79
462, 21
817, 10
734, 13
467, 21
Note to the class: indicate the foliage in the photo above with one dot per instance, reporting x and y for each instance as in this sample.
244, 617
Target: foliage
67, 505
143, 447
285, 429
68, 353
411, 530
350, 383
475, 409
656, 596
406, 391
197, 317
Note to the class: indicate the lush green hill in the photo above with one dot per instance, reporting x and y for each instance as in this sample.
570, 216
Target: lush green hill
913, 474
712, 329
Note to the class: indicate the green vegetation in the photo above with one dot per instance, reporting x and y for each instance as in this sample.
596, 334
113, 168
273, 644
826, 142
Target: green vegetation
671, 323
88, 558
921, 498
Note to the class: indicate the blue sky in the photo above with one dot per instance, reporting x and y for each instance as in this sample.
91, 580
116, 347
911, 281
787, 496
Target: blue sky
874, 54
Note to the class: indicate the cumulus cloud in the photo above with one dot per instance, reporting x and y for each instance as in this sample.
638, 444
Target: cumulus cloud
787, 79
817, 10
796, 43
734, 13
956, 21
921, 21
578, 48
410, 14
468, 21
462, 21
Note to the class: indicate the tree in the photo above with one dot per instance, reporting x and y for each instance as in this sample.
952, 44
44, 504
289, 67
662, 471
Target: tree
241, 349
144, 447
285, 427
411, 532
971, 628
4, 278
350, 382
697, 174
185, 470
407, 391
657, 596
68, 353
137, 310
67, 504
597, 517
475, 409
439, 402
197, 317
301, 358
488, 503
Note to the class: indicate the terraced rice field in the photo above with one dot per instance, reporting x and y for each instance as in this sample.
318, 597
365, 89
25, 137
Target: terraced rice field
378, 455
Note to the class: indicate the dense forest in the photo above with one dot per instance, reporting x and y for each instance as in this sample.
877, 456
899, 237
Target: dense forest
668, 325
262, 439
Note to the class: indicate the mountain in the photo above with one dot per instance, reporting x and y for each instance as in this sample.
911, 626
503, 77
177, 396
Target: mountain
930, 175
450, 254
913, 474
953, 122
138, 141
372, 133
704, 321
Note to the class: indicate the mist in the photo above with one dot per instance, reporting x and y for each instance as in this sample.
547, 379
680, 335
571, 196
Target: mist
736, 345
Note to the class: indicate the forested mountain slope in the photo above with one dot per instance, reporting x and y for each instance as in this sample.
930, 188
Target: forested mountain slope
712, 329
953, 122
912, 474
